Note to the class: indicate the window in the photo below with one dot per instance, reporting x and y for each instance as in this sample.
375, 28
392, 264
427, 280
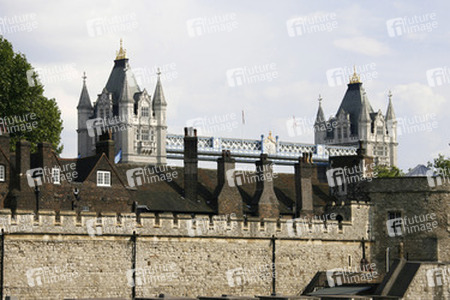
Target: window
2, 173
339, 133
380, 130
144, 112
138, 136
394, 215
103, 178
145, 134
56, 176
345, 132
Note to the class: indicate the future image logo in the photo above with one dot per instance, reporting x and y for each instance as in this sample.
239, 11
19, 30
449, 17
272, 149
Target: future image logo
410, 225
200, 26
438, 76
438, 276
411, 24
251, 74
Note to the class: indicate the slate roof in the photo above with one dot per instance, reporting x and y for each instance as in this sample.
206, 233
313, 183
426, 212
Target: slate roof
352, 104
165, 196
117, 77
419, 170
85, 100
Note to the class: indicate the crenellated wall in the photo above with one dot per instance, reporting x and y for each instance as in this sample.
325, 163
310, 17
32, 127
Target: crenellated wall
95, 257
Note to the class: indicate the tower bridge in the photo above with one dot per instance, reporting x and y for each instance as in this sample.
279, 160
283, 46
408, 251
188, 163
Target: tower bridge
249, 150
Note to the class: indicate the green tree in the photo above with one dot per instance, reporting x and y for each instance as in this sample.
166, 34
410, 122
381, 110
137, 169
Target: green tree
28, 113
441, 162
385, 171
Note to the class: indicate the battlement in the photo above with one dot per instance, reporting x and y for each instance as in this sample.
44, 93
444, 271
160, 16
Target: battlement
179, 225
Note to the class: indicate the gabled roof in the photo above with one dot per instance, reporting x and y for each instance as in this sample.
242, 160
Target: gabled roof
164, 196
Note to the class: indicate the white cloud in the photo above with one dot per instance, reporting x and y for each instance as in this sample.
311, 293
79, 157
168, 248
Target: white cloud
417, 98
363, 45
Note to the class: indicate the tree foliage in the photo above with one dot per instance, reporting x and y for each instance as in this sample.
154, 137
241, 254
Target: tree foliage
28, 113
385, 171
441, 162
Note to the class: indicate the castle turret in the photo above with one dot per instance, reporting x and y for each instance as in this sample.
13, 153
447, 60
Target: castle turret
320, 131
356, 121
126, 109
159, 110
364, 119
391, 123
85, 112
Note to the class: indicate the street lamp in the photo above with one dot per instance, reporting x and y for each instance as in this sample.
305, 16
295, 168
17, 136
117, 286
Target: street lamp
37, 192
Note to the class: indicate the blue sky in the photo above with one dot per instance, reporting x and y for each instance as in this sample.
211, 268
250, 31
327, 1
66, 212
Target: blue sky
201, 44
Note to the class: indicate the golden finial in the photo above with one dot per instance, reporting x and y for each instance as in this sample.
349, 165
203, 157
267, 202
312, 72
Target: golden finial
270, 137
355, 78
122, 53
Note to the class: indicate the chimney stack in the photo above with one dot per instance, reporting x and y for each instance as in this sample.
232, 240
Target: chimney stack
268, 205
229, 200
303, 185
4, 141
106, 145
190, 163
44, 155
22, 163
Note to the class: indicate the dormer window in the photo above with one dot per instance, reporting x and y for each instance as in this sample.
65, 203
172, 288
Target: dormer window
145, 112
103, 178
2, 173
56, 176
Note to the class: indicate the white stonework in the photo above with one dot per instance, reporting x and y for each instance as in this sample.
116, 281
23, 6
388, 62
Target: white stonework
356, 122
137, 120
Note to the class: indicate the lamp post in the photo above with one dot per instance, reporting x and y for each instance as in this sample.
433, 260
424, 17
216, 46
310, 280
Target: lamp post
76, 193
37, 192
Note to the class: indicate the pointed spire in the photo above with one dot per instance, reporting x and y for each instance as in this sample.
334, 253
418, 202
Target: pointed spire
122, 53
85, 100
365, 115
158, 96
126, 96
320, 115
390, 115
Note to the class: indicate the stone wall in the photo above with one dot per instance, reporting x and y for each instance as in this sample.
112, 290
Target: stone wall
411, 197
53, 258
430, 282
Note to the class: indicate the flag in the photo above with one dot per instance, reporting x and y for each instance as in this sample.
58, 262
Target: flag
118, 157
79, 155
243, 118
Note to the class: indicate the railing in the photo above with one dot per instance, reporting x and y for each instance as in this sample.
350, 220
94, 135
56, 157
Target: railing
246, 150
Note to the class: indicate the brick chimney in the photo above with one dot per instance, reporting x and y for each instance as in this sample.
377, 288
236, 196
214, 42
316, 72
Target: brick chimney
268, 205
229, 200
106, 145
190, 163
4, 142
303, 185
44, 155
22, 163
